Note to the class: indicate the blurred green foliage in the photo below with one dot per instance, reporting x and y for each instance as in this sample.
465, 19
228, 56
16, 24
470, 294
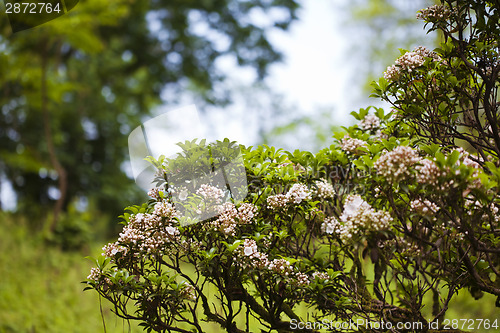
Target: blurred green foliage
40, 289
72, 89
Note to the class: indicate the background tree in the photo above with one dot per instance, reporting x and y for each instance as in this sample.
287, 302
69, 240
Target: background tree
72, 89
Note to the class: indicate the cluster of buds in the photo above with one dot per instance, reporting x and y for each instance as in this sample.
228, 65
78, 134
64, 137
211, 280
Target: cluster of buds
428, 172
298, 193
188, 292
369, 123
486, 210
164, 209
408, 62
210, 193
425, 207
95, 275
112, 249
465, 158
226, 222
351, 145
147, 233
230, 217
330, 225
280, 266
396, 164
155, 192
324, 189
277, 201
320, 275
434, 13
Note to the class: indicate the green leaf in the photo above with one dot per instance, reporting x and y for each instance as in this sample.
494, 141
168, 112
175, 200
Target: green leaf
368, 161
453, 157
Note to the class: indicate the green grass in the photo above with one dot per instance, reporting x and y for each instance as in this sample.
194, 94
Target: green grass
40, 289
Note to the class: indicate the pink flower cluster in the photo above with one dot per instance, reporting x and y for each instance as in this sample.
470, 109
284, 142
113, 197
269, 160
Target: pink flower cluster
351, 145
475, 181
408, 62
324, 189
396, 164
428, 172
296, 194
492, 209
330, 225
277, 201
278, 266
210, 193
425, 207
369, 122
155, 192
112, 249
435, 12
246, 212
230, 216
251, 251
357, 219
320, 275
164, 209
188, 292
94, 275
147, 233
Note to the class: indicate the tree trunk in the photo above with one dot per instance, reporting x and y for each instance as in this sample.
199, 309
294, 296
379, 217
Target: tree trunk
61, 172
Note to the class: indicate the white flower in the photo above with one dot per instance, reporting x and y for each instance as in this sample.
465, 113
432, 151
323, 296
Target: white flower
249, 247
352, 205
172, 230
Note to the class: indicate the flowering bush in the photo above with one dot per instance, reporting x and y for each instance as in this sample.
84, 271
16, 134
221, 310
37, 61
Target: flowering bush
386, 224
